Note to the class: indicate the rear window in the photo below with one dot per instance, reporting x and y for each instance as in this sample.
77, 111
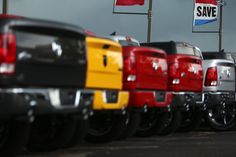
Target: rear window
175, 48
217, 55
128, 43
168, 47
233, 55
209, 56
198, 53
185, 50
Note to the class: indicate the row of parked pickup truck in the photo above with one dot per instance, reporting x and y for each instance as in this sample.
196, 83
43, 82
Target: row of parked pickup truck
61, 84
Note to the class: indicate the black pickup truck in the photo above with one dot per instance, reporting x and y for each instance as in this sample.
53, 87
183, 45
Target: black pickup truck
42, 79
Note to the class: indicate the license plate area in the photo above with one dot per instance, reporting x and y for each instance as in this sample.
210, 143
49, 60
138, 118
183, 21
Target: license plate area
110, 96
64, 98
160, 96
199, 98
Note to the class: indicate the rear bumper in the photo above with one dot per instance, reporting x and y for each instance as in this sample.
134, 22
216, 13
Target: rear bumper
185, 100
216, 98
100, 102
149, 99
14, 104
18, 101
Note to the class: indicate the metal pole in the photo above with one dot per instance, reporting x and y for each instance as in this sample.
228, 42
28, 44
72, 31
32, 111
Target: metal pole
4, 6
221, 26
148, 14
149, 31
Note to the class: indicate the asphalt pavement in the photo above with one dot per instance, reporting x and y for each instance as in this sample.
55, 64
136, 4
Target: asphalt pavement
202, 143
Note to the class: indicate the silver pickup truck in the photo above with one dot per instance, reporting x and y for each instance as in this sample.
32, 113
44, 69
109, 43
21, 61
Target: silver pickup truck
219, 90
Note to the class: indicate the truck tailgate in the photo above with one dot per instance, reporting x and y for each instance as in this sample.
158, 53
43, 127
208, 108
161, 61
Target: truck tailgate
226, 74
191, 73
105, 64
49, 57
151, 69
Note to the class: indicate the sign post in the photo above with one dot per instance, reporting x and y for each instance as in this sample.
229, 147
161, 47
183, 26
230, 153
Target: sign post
148, 14
4, 6
149, 31
221, 25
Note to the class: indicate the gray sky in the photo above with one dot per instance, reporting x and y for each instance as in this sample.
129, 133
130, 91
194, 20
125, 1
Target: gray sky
172, 19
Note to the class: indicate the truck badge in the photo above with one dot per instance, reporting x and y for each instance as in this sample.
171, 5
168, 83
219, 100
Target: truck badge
193, 69
56, 48
155, 65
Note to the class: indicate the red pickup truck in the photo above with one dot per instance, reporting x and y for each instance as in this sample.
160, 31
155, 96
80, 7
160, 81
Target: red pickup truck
145, 76
185, 81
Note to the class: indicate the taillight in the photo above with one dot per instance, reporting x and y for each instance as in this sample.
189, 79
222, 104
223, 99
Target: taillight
7, 53
174, 74
130, 68
211, 77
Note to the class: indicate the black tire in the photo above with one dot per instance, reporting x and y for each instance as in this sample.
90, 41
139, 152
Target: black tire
191, 120
51, 132
152, 123
132, 123
221, 117
175, 120
13, 137
105, 127
80, 133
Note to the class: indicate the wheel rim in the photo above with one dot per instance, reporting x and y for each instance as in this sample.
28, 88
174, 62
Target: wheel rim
148, 120
188, 118
44, 130
101, 125
4, 130
222, 115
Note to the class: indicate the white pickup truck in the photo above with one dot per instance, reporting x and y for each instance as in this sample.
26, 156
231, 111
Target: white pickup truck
219, 90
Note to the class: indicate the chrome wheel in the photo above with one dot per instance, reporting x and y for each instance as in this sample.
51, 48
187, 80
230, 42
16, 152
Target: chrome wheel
221, 117
100, 125
152, 123
105, 127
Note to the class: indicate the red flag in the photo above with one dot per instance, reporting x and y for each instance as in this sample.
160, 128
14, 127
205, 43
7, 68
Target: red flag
129, 2
207, 1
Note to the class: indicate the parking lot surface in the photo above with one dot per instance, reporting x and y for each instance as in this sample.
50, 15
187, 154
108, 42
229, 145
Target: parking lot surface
194, 144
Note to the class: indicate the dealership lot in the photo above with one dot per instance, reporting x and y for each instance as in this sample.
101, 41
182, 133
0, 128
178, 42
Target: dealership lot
201, 143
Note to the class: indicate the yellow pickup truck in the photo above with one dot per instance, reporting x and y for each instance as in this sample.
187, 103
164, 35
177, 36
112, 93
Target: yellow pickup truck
104, 72
104, 75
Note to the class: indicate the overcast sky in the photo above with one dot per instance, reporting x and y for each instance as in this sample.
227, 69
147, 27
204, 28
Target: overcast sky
172, 19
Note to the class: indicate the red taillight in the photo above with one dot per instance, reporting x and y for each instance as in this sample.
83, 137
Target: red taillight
211, 77
7, 53
130, 68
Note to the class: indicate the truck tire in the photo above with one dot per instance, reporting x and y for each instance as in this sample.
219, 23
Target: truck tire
132, 123
175, 120
221, 117
191, 120
105, 128
152, 124
80, 133
13, 137
51, 132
